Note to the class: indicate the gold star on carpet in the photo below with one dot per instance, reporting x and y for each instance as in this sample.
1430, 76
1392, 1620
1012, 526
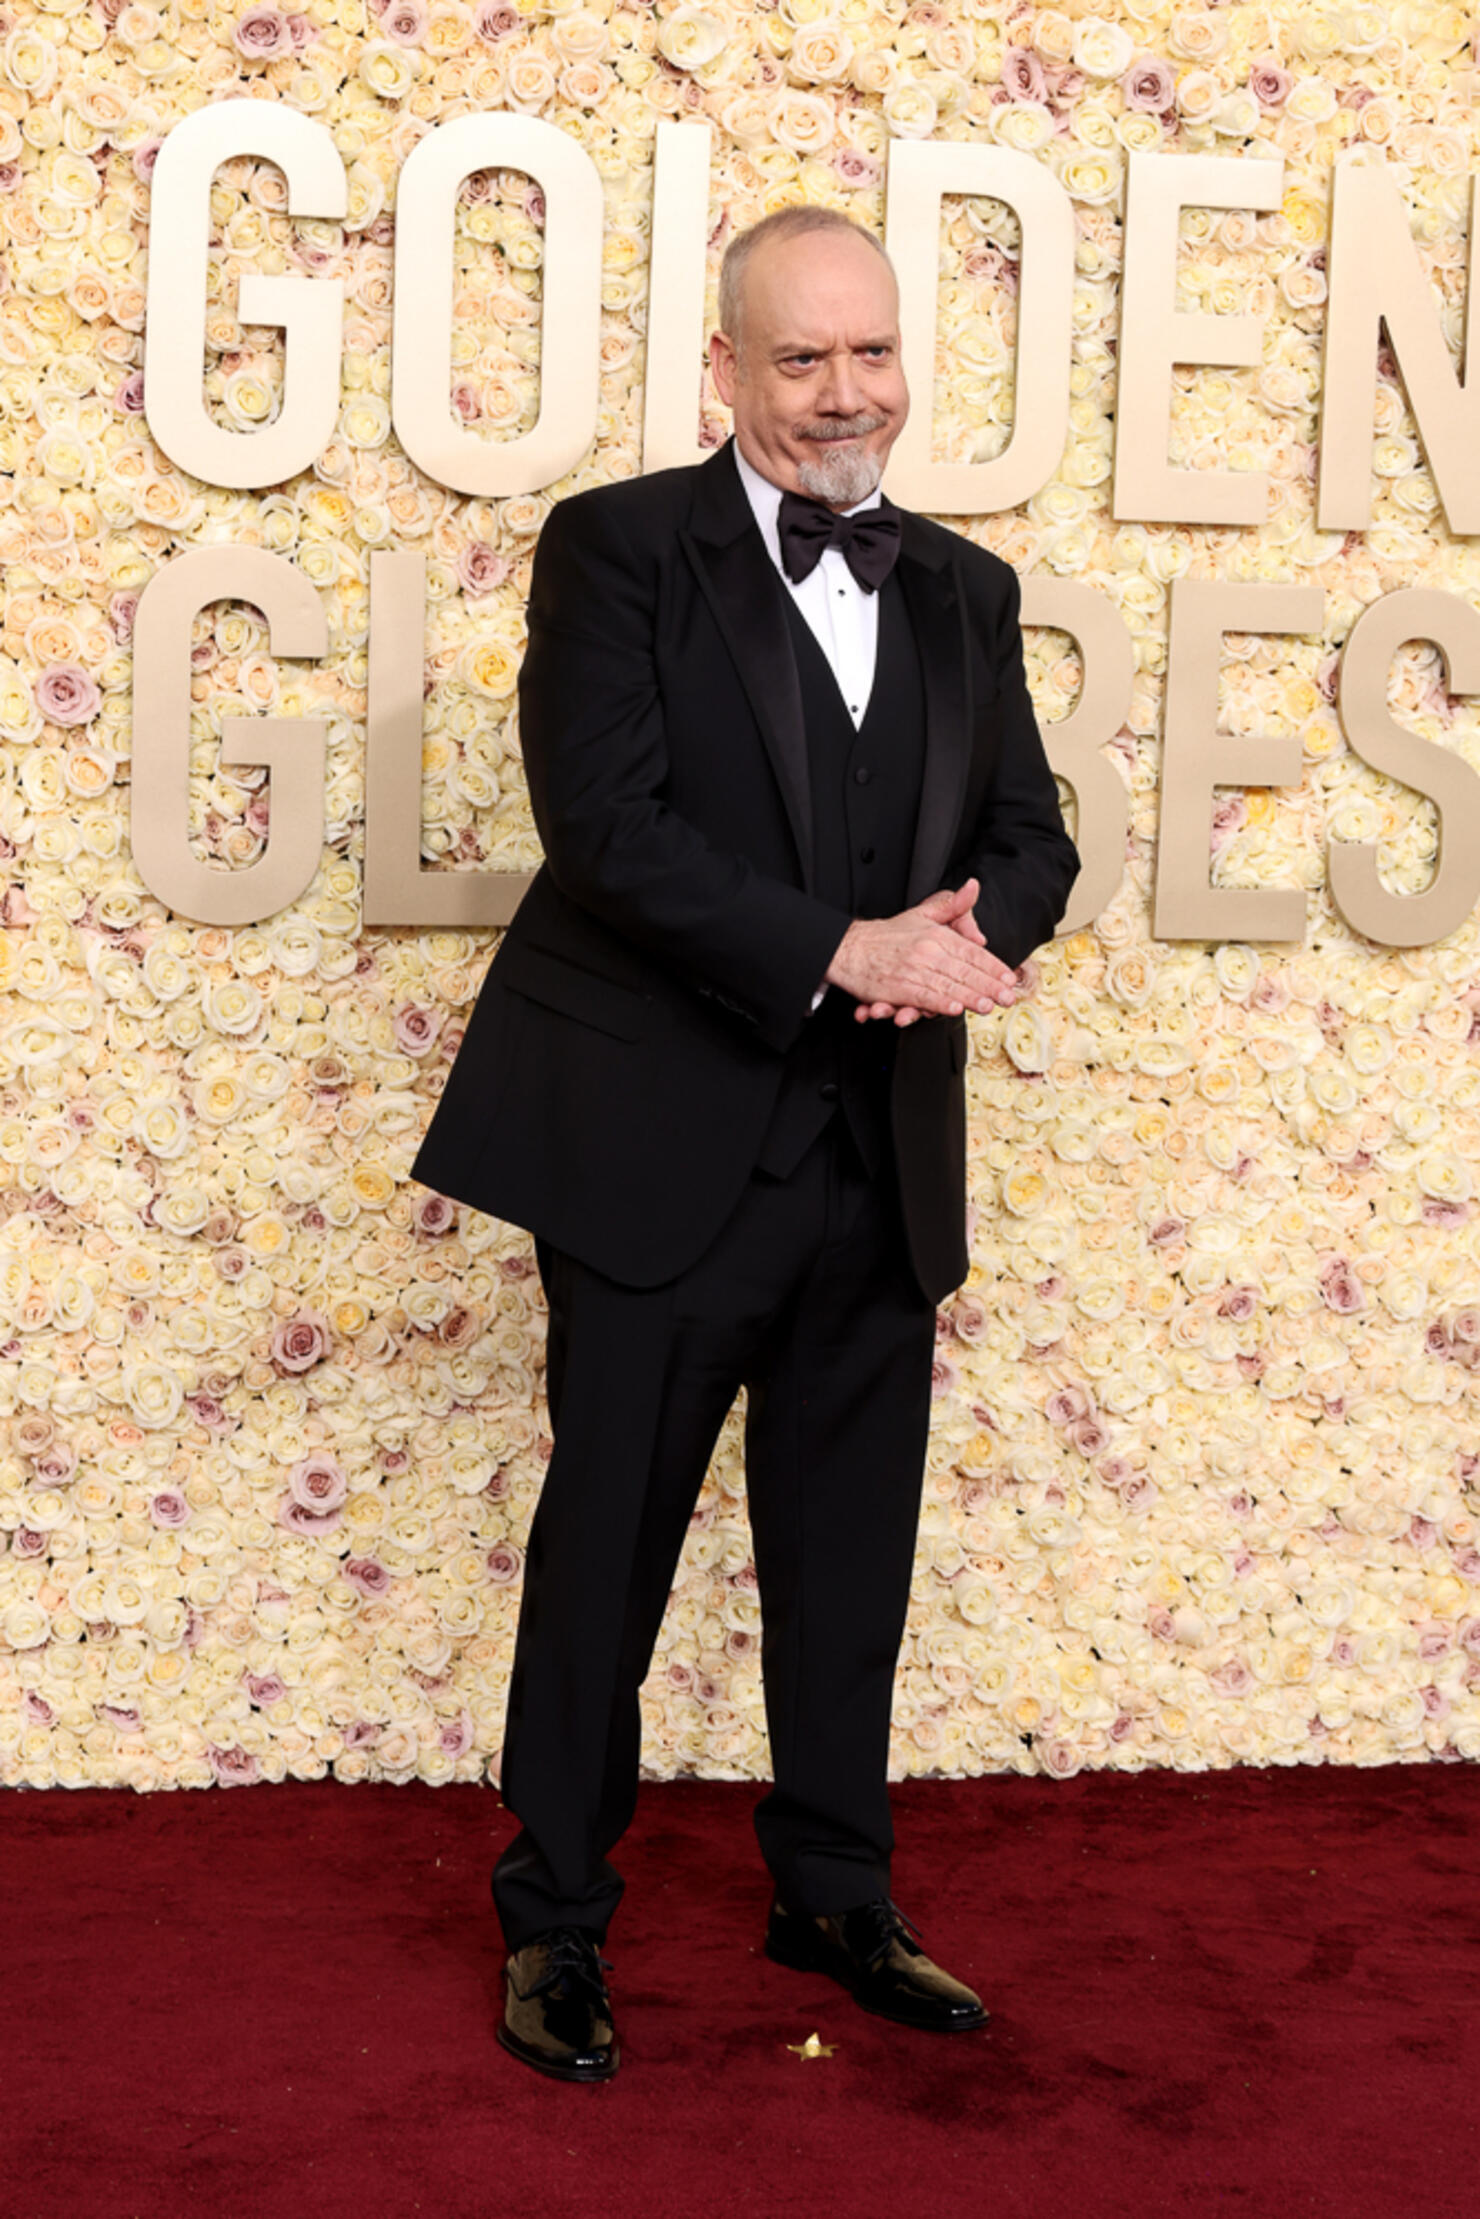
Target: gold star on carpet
812, 2047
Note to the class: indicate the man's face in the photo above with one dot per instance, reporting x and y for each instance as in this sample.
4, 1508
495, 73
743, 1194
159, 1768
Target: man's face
815, 384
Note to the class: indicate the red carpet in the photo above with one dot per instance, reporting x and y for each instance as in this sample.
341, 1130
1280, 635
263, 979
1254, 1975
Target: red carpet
1247, 1992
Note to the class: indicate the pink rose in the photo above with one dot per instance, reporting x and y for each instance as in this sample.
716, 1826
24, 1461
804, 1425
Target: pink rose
55, 1464
265, 1690
855, 167
145, 156
1022, 75
293, 1518
316, 1483
263, 35
460, 1328
504, 1563
1340, 1289
35, 1709
494, 20
435, 1214
416, 1029
299, 1342
1238, 1303
480, 568
129, 399
26, 1542
125, 1716
1067, 1406
207, 1411
1148, 86
1270, 84
457, 1736
235, 1767
10, 177
363, 1734
169, 1509
121, 611
366, 1577
405, 21
66, 694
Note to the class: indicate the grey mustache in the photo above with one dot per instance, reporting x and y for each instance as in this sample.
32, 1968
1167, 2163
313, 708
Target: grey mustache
841, 428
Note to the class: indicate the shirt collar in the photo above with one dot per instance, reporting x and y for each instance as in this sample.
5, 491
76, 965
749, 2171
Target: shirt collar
765, 500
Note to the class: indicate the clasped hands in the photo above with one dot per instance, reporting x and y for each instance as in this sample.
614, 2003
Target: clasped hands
929, 961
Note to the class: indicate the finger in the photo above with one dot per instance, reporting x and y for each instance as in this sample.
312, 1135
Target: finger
946, 906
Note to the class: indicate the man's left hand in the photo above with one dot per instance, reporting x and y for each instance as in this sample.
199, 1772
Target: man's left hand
965, 923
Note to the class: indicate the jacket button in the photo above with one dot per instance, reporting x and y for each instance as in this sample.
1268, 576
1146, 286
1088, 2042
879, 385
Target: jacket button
865, 855
861, 776
829, 1090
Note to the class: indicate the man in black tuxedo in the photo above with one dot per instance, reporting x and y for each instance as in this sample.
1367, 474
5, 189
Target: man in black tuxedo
797, 820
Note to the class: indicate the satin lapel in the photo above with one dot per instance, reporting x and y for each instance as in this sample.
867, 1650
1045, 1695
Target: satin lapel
937, 613
740, 583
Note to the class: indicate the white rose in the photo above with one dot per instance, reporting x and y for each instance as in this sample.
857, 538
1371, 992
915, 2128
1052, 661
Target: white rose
691, 38
1102, 49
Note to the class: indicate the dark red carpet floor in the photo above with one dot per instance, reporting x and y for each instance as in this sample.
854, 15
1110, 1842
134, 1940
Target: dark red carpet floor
1248, 1992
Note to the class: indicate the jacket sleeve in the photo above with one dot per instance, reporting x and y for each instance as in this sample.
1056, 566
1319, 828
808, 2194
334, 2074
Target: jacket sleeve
595, 753
1018, 848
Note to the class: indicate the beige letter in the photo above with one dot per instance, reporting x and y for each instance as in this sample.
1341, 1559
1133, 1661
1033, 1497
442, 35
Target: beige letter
677, 275
291, 747
1075, 742
308, 309
1410, 920
1154, 336
397, 890
1196, 757
1376, 279
570, 319
920, 171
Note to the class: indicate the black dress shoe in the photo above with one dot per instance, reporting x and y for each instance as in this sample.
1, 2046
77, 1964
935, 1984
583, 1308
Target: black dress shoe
871, 1951
557, 2013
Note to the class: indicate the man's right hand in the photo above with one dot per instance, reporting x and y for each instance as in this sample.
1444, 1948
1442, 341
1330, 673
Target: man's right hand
922, 961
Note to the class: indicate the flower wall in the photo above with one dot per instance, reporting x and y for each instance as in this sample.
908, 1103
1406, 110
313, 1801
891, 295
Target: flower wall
1204, 1478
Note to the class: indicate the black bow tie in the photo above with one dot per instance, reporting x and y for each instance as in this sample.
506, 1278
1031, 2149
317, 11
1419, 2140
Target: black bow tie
869, 540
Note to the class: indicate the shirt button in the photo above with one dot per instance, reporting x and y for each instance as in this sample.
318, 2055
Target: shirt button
829, 1090
861, 776
865, 855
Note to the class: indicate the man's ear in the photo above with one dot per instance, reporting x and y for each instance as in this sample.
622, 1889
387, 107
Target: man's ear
724, 365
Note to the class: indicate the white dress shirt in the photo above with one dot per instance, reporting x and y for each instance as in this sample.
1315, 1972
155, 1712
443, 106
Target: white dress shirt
843, 615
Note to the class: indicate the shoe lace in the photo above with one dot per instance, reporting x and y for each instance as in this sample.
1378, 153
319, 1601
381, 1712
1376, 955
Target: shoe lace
572, 1957
875, 1925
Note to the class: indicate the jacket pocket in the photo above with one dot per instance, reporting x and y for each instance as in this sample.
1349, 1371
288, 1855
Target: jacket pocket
549, 979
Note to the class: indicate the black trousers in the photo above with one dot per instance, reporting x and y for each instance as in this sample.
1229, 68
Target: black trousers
808, 1300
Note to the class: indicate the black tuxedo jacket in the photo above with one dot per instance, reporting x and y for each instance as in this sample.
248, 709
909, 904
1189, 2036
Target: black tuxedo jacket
627, 1047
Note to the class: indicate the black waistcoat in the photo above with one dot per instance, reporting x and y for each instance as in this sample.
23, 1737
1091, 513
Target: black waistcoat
865, 800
